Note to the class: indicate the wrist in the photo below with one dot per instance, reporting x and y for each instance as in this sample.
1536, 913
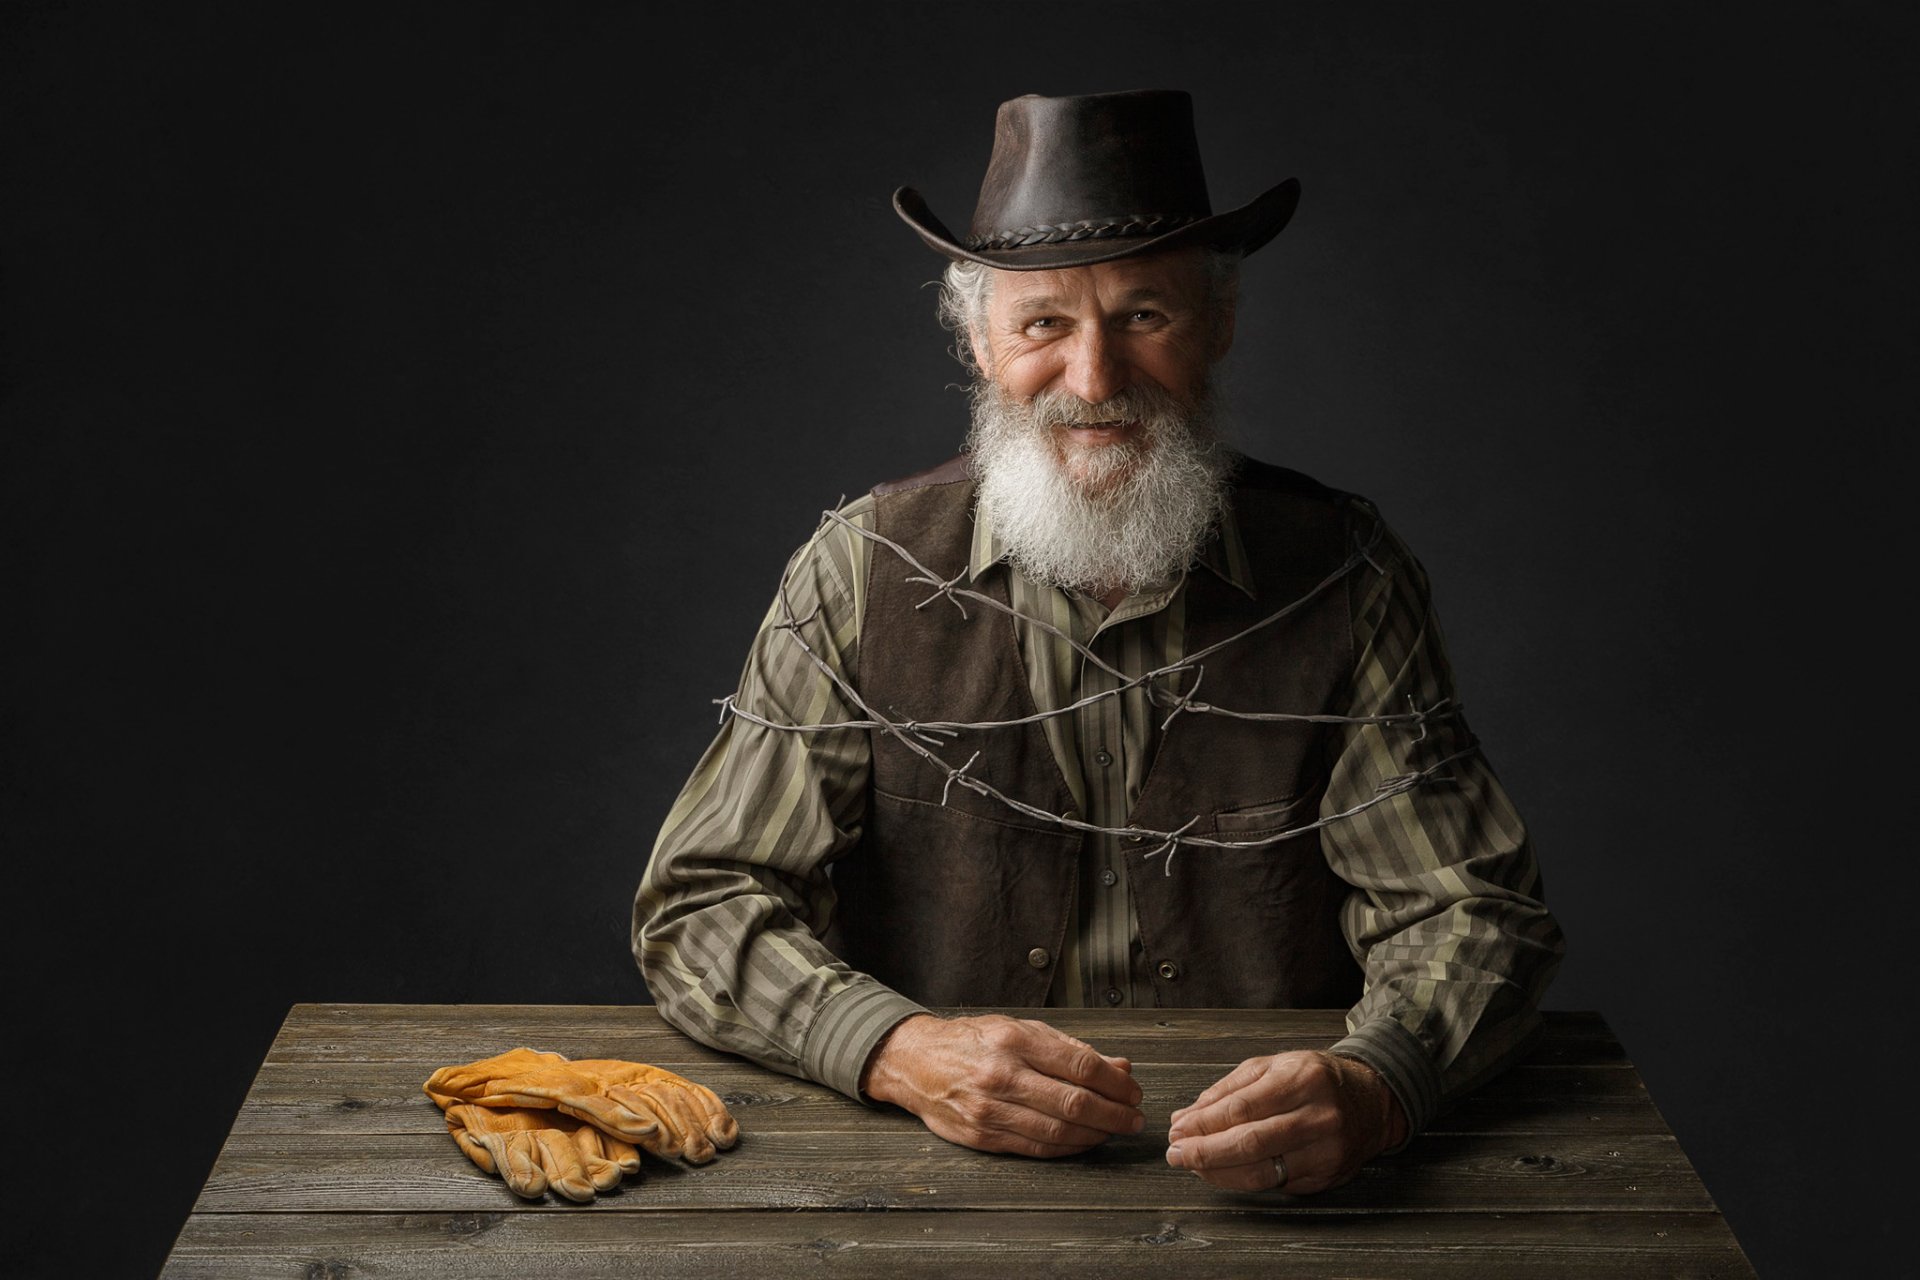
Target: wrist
881, 1079
1385, 1117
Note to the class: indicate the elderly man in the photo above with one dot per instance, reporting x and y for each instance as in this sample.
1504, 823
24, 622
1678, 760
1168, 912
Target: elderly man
1102, 713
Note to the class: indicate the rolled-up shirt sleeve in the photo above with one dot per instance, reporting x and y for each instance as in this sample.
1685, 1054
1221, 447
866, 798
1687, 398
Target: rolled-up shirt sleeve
730, 917
1446, 914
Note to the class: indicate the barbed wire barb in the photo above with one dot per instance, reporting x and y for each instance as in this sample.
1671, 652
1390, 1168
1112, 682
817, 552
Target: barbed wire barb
920, 737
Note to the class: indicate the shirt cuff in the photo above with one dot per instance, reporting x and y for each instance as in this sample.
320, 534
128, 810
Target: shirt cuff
847, 1028
1392, 1050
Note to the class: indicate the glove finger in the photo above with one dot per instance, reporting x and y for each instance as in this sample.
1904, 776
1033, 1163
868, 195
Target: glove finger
625, 1156
466, 1081
542, 1099
716, 1122
566, 1172
604, 1173
514, 1158
621, 1113
476, 1151
689, 1126
722, 1129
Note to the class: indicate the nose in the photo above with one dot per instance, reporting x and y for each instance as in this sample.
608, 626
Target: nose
1094, 372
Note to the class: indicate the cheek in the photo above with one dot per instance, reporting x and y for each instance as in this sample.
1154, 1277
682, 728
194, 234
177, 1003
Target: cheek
1026, 373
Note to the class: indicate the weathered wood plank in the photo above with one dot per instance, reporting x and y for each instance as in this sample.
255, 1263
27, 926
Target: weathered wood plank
439, 1034
384, 1097
485, 1246
894, 1163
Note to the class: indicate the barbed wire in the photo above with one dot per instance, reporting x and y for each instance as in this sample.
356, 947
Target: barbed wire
921, 736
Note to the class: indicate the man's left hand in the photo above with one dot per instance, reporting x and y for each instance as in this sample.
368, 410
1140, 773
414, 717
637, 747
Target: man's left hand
1323, 1116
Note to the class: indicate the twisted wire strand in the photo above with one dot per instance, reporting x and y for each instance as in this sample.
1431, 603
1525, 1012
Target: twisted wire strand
919, 737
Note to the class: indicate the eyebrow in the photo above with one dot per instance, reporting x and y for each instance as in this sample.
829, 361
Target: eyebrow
1048, 302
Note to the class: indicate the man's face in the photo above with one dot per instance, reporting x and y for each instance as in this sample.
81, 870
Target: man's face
1082, 336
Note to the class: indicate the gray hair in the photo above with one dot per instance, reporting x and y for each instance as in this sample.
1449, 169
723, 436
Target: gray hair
967, 287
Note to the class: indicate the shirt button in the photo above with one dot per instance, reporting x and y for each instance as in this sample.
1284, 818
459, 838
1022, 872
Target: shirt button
1103, 757
1169, 970
1107, 877
1038, 957
1113, 995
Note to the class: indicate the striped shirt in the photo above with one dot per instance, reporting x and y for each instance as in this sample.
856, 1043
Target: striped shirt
1445, 918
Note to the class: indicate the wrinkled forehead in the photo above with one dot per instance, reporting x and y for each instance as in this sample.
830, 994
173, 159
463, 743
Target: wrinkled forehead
1176, 275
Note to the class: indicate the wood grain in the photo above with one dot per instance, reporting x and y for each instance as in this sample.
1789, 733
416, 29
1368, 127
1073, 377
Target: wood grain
482, 1246
385, 1097
898, 1164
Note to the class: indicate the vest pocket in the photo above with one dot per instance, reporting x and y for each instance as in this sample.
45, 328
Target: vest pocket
1255, 822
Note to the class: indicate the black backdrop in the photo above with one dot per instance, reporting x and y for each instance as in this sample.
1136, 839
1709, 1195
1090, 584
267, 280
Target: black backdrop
408, 412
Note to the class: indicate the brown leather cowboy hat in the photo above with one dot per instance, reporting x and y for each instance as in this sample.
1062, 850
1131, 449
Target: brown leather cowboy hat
1091, 178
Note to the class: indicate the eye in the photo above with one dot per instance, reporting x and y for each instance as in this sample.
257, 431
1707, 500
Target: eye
1043, 324
1143, 316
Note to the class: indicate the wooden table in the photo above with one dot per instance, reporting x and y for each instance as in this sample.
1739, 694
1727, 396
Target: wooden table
339, 1166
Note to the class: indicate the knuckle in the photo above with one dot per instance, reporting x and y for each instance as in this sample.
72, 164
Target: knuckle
996, 1076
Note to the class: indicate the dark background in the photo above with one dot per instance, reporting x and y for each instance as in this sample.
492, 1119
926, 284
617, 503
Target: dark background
407, 415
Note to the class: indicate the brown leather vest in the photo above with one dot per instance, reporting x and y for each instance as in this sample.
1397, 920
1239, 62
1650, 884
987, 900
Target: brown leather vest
952, 903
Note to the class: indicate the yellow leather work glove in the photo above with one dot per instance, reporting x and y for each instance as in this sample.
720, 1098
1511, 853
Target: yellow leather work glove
655, 1109
534, 1150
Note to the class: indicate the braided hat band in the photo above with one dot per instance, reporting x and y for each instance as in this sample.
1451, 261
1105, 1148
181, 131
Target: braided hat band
1132, 224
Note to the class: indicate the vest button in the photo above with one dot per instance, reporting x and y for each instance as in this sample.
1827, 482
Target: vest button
1107, 877
1169, 970
1113, 995
1103, 757
1038, 957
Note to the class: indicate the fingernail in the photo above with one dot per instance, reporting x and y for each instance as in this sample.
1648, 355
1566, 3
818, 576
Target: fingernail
1174, 1157
1139, 1123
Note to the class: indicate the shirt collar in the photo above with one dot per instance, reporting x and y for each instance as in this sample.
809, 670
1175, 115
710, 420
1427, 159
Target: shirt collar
1223, 552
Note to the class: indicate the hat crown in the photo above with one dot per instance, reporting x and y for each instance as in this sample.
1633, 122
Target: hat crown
1099, 159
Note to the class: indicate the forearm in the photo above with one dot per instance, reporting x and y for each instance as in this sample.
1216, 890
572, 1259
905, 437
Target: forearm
1446, 914
1456, 955
728, 919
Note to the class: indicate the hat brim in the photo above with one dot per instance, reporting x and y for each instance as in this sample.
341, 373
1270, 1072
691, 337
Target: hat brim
1241, 230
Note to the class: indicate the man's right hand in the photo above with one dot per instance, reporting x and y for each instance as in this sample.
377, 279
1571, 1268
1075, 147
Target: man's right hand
1003, 1084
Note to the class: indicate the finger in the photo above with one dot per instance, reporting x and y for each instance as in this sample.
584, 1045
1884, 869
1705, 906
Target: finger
1068, 1059
1240, 1077
1072, 1105
1243, 1144
1042, 1126
1314, 1131
1310, 1170
1035, 1022
560, 1158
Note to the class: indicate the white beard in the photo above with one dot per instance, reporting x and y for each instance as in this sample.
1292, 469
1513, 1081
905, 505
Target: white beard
1100, 517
